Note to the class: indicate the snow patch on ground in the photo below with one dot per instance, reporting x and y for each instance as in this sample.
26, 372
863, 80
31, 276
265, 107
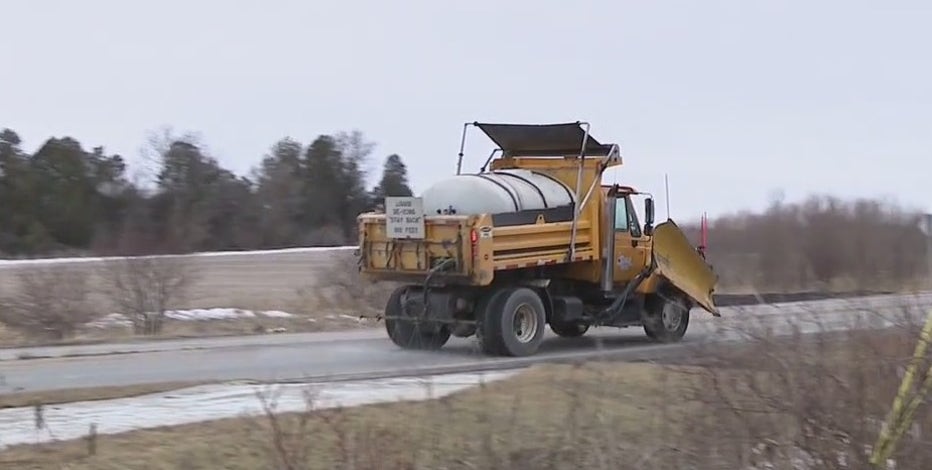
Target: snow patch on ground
111, 320
276, 314
197, 314
211, 402
201, 314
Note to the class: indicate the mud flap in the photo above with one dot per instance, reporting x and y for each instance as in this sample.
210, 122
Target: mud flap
678, 261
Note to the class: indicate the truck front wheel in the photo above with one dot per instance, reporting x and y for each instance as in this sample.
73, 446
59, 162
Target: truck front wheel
513, 322
409, 333
666, 320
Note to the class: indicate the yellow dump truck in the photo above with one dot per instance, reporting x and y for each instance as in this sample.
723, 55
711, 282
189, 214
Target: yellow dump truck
533, 239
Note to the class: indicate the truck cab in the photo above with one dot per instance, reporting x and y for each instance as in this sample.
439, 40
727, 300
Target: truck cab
631, 240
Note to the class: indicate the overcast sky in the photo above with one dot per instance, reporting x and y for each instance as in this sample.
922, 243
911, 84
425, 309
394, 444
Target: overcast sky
733, 99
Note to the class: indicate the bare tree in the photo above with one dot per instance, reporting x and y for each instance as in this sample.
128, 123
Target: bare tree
145, 288
822, 243
49, 302
158, 143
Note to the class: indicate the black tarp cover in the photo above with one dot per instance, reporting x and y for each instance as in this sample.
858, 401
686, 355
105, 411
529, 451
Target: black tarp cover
542, 139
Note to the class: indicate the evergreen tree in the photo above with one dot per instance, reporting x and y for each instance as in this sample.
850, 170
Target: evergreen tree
199, 201
15, 193
280, 194
394, 181
73, 190
354, 151
324, 192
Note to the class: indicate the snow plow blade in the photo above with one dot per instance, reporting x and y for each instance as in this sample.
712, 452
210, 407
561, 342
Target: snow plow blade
679, 262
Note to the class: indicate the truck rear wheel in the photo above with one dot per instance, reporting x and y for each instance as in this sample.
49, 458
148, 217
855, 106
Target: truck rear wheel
513, 322
666, 320
410, 333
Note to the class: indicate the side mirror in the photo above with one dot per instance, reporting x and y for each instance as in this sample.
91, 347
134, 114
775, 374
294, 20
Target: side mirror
648, 216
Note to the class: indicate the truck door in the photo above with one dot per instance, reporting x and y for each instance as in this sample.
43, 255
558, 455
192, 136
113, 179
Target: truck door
631, 248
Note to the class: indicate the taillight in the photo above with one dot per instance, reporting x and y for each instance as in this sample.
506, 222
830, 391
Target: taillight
473, 237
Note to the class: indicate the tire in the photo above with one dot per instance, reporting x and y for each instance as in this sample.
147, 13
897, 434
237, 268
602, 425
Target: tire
486, 304
666, 321
513, 323
410, 334
569, 329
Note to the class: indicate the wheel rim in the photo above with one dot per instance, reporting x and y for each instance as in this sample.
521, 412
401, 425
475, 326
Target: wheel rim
672, 316
525, 323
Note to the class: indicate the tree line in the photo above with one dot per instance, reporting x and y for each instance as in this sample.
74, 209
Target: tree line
820, 243
67, 199
64, 199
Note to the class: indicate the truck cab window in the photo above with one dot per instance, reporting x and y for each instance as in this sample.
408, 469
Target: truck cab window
633, 224
621, 215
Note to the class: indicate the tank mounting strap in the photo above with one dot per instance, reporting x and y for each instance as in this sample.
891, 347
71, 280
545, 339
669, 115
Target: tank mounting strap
510, 194
559, 183
541, 193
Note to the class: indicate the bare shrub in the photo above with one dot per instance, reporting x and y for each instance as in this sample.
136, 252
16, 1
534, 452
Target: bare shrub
802, 401
48, 302
289, 443
341, 290
565, 417
145, 288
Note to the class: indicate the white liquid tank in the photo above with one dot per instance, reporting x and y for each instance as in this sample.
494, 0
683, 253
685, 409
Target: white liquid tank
496, 192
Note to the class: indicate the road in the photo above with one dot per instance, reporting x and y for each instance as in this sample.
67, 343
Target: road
369, 354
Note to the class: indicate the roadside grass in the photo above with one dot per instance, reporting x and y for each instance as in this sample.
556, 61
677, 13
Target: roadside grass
174, 329
816, 400
179, 329
549, 417
56, 397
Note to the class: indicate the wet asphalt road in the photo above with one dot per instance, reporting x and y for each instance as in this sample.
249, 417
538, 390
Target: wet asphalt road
369, 354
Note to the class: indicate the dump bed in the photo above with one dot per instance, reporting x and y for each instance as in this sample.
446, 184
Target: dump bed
442, 242
465, 249
537, 244
519, 211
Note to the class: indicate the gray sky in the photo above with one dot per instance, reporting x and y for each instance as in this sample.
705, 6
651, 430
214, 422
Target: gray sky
734, 99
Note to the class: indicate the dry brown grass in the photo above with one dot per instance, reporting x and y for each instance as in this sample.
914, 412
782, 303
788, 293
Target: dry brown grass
55, 397
767, 401
558, 415
178, 329
819, 399
238, 326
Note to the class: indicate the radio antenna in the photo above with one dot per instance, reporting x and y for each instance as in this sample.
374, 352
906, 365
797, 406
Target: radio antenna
666, 185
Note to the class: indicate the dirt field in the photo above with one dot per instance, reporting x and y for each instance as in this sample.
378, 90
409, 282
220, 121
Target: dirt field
251, 280
320, 287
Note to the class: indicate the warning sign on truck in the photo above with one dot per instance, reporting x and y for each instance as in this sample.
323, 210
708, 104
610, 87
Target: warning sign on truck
404, 217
